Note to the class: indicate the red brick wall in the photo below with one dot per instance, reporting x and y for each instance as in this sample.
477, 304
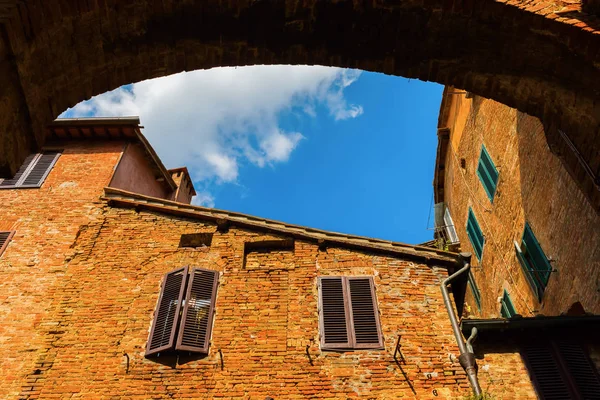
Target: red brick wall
266, 314
47, 221
533, 186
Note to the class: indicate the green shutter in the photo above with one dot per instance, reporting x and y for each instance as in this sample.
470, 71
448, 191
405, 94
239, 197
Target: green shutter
508, 309
487, 173
534, 262
475, 234
475, 291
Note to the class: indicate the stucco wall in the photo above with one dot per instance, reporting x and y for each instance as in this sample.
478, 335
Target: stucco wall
533, 186
134, 174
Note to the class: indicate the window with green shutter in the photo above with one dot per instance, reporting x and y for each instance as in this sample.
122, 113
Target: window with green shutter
487, 173
508, 308
475, 291
533, 261
475, 234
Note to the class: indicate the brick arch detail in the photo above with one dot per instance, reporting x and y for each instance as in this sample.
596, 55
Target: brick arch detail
541, 57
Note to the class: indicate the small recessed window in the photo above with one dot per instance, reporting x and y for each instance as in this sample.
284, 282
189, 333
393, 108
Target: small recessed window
348, 313
487, 173
33, 172
184, 314
534, 262
196, 240
475, 234
507, 309
5, 239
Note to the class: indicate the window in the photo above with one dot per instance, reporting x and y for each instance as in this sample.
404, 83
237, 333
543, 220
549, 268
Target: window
33, 172
561, 370
184, 313
475, 234
534, 262
4, 239
348, 314
475, 290
507, 309
487, 173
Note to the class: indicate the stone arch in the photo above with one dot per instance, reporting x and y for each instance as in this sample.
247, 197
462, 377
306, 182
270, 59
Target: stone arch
541, 57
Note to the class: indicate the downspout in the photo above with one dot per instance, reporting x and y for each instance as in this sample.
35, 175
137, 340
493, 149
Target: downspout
466, 358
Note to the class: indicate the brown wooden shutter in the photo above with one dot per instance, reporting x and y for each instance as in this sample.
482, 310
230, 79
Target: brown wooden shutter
13, 181
197, 317
365, 318
334, 316
545, 372
583, 373
4, 239
166, 315
40, 169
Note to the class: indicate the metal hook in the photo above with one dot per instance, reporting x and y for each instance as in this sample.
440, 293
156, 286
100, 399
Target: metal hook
127, 367
308, 354
221, 355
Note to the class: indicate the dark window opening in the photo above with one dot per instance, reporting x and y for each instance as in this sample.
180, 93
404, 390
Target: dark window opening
269, 245
348, 314
196, 240
184, 314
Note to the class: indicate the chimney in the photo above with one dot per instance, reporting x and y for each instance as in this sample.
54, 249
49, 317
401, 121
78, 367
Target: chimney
185, 187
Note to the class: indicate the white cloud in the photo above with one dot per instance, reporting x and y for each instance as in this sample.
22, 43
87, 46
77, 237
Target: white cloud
214, 121
203, 199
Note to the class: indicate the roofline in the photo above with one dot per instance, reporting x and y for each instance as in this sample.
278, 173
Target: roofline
443, 133
430, 256
133, 121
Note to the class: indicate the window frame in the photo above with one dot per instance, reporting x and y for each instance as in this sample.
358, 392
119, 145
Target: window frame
474, 223
531, 269
7, 241
350, 330
485, 167
19, 184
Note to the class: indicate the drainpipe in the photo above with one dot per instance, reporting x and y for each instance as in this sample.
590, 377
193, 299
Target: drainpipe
466, 358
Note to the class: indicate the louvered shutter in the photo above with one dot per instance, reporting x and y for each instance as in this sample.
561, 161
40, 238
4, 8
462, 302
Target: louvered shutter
24, 167
365, 321
166, 315
35, 177
545, 372
197, 317
534, 252
4, 239
583, 373
334, 316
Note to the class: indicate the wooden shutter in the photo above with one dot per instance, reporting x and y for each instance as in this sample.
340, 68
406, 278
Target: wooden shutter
37, 174
4, 239
583, 373
24, 167
545, 373
487, 172
197, 317
365, 319
334, 316
166, 315
533, 251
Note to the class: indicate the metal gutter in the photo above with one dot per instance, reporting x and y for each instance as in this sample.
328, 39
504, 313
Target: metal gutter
467, 357
498, 325
96, 121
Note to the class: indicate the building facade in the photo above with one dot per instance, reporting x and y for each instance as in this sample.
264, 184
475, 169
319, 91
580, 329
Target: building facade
502, 195
114, 286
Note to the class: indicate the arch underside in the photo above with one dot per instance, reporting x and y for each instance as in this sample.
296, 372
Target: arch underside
54, 54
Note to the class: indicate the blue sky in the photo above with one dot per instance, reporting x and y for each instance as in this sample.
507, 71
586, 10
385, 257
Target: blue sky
334, 149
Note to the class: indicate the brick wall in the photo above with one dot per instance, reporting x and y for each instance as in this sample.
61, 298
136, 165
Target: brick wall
533, 186
47, 221
266, 315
